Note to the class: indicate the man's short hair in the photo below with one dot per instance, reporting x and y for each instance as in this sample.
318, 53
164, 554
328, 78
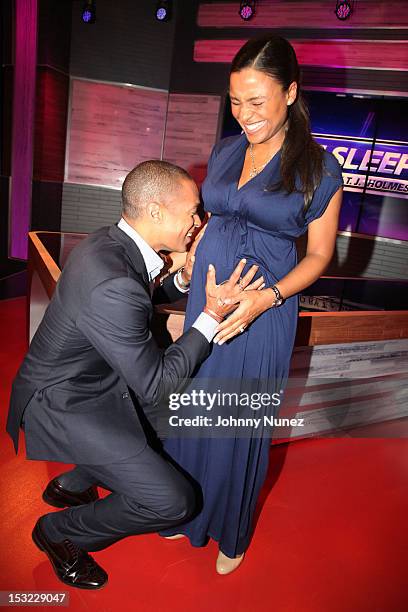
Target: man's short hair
150, 180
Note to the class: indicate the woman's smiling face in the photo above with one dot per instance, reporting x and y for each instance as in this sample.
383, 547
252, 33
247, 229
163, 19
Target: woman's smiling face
259, 103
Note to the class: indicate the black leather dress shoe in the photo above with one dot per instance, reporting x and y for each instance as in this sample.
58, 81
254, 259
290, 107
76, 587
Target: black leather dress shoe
72, 565
55, 495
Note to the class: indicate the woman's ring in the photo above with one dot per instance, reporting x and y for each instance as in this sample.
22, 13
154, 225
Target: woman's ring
240, 285
242, 328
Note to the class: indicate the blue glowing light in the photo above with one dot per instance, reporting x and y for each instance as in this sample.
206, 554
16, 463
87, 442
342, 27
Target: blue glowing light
86, 16
161, 14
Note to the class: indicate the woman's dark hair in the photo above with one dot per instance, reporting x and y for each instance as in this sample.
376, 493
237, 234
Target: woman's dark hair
301, 155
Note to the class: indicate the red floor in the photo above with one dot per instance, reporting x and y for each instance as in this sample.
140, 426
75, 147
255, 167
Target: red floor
331, 535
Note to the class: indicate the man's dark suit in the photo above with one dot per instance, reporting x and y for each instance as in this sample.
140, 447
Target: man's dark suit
94, 343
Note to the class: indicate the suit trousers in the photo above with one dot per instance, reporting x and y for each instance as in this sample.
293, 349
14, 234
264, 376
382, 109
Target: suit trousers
148, 494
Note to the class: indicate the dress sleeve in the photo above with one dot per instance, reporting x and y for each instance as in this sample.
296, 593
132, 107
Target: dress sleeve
331, 181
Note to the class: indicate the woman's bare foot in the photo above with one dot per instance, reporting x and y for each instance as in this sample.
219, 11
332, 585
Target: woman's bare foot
226, 565
178, 536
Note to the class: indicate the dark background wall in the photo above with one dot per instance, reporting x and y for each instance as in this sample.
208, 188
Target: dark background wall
125, 45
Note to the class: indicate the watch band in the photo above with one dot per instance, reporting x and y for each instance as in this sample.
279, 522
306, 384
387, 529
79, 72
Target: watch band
279, 299
180, 280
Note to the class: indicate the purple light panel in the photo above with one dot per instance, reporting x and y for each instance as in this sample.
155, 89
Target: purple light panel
23, 126
343, 10
246, 12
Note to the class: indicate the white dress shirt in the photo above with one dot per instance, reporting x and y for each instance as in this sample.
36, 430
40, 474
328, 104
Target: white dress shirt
154, 264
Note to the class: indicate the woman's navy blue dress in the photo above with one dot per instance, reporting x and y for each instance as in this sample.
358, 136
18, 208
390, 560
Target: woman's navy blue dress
261, 226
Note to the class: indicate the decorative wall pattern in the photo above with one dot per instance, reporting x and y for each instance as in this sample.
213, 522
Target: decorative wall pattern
50, 125
378, 55
85, 208
111, 129
191, 132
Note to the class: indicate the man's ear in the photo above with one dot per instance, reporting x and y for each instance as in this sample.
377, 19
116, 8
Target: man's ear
154, 212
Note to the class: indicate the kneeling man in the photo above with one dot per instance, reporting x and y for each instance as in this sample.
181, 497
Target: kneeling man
71, 394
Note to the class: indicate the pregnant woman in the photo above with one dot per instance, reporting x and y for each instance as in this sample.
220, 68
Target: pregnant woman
264, 188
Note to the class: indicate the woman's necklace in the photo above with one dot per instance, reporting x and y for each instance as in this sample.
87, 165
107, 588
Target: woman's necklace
256, 169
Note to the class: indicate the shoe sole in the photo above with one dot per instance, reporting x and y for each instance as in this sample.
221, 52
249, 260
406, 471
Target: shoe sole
52, 502
37, 541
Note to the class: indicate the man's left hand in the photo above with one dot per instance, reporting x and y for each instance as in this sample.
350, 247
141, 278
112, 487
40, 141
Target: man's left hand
188, 266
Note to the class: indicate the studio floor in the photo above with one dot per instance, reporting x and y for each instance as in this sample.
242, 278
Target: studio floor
331, 535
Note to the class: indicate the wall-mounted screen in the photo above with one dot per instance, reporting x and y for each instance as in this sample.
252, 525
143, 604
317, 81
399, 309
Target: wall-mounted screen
369, 138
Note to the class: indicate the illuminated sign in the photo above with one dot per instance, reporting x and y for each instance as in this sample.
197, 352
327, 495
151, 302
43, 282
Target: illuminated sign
382, 170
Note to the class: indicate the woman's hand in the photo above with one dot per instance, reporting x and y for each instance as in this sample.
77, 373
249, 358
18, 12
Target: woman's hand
252, 303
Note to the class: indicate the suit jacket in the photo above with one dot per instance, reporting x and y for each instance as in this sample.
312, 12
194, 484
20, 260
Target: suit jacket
93, 344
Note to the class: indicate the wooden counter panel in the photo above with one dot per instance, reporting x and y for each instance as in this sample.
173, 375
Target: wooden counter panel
41, 261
